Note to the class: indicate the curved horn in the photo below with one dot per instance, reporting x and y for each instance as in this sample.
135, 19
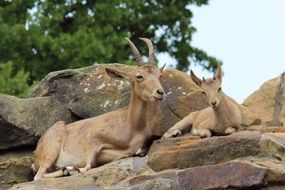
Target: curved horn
161, 69
151, 58
219, 73
135, 52
196, 79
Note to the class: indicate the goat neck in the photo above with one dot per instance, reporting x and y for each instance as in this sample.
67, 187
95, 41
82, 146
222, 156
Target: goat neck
137, 111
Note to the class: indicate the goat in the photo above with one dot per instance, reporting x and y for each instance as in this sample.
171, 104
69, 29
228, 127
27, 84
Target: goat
88, 143
222, 117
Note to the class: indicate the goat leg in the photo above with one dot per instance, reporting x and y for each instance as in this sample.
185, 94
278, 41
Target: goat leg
177, 129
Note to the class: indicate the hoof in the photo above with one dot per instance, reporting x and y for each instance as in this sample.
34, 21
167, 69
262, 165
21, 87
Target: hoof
65, 172
141, 152
81, 170
230, 130
194, 131
204, 133
175, 133
72, 170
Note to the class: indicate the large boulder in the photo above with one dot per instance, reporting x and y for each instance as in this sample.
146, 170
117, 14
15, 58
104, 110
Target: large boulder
187, 152
133, 174
249, 172
267, 103
275, 169
238, 175
273, 145
22, 121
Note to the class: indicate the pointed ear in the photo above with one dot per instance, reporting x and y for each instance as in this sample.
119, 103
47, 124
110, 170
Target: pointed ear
218, 74
195, 78
117, 74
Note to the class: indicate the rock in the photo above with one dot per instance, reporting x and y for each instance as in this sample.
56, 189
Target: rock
185, 152
249, 172
273, 187
275, 169
15, 168
22, 121
263, 101
273, 144
165, 180
248, 117
157, 184
266, 129
221, 176
97, 178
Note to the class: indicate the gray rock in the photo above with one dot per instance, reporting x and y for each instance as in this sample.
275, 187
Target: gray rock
273, 145
15, 167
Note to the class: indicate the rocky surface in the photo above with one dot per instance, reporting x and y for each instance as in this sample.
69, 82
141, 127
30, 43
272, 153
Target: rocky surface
251, 159
22, 121
273, 144
15, 167
213, 177
267, 102
248, 172
185, 152
98, 178
182, 163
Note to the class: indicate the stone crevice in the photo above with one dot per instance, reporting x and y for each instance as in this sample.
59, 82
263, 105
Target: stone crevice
278, 100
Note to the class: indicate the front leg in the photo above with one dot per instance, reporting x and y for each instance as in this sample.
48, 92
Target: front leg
126, 155
230, 130
141, 152
204, 129
177, 129
204, 133
91, 160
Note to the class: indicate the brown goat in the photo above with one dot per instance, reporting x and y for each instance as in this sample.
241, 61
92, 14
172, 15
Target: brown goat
222, 117
102, 139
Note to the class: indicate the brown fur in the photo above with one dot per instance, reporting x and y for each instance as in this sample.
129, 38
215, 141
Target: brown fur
222, 117
86, 143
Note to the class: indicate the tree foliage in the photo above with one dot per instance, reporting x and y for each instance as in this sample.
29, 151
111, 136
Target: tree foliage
13, 84
41, 36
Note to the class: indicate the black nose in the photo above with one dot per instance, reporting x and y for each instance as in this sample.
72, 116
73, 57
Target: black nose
160, 92
213, 102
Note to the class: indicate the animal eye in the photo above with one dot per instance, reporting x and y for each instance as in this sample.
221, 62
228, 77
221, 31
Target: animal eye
220, 89
204, 93
139, 77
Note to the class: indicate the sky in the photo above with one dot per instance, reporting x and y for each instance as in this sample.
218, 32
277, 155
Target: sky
248, 36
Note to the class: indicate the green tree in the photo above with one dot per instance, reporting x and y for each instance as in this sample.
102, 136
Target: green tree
42, 36
13, 84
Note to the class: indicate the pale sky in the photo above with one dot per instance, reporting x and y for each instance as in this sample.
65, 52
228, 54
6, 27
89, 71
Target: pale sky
247, 35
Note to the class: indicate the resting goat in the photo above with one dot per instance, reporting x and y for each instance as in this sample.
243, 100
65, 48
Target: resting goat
222, 117
121, 133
